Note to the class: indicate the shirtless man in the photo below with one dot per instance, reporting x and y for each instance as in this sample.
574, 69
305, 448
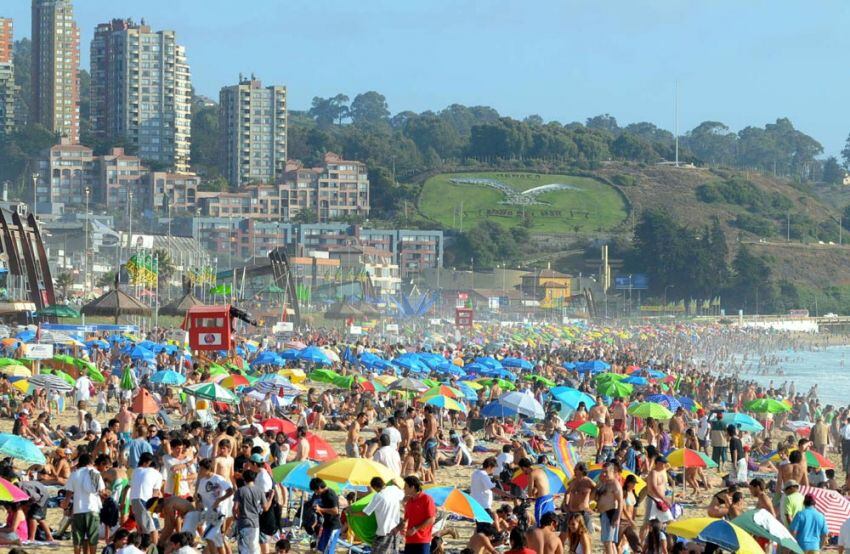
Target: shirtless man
352, 440
125, 418
656, 485
538, 489
605, 442
577, 498
618, 413
609, 503
793, 470
429, 439
544, 538
481, 542
598, 412
302, 450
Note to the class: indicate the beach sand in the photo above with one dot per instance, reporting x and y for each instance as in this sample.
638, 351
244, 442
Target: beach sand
456, 476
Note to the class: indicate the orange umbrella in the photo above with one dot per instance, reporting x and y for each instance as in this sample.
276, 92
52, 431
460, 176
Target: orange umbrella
144, 403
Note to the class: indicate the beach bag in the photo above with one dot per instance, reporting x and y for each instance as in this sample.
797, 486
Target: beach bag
660, 510
109, 512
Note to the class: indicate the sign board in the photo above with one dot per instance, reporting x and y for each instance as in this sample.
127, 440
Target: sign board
283, 327
392, 327
38, 351
463, 317
355, 330
434, 321
494, 302
635, 281
462, 296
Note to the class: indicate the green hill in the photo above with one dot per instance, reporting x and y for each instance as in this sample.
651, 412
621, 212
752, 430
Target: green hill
540, 202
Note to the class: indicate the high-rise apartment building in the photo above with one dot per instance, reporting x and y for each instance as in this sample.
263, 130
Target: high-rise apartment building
55, 67
253, 132
141, 91
8, 90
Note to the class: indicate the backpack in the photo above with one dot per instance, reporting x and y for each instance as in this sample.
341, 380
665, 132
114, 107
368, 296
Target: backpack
109, 512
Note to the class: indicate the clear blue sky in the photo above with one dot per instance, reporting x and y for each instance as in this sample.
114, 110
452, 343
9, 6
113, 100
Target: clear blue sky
739, 62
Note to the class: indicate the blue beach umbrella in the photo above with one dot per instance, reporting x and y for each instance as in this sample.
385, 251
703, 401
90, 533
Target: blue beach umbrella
314, 355
669, 402
517, 363
141, 353
494, 409
636, 380
167, 377
572, 397
21, 449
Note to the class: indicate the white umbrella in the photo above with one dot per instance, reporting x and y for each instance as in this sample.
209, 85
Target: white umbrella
523, 403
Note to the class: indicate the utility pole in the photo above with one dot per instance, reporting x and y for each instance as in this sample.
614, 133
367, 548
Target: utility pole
676, 119
788, 227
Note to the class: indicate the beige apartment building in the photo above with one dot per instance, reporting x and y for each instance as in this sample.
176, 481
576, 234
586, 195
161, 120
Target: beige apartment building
8, 89
55, 67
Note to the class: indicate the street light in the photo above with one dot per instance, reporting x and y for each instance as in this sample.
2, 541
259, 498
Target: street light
86, 251
35, 194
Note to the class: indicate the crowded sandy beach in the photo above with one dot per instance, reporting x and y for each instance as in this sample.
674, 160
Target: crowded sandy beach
545, 438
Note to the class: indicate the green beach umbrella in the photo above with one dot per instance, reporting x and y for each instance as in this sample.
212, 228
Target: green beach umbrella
650, 409
64, 376
539, 379
607, 377
363, 526
503, 384
588, 428
761, 524
615, 389
213, 392
216, 369
767, 405
128, 379
323, 375
9, 361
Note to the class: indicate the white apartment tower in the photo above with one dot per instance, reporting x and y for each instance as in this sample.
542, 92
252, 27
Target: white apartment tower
253, 121
141, 92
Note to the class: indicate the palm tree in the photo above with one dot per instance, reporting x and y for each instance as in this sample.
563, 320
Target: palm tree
63, 281
166, 266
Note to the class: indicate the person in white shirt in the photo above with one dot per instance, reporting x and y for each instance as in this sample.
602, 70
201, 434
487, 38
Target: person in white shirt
386, 505
482, 486
388, 455
392, 432
257, 463
83, 389
505, 458
216, 495
177, 469
145, 484
85, 487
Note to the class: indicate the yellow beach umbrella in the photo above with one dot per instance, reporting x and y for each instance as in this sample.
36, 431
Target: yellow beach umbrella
357, 471
17, 370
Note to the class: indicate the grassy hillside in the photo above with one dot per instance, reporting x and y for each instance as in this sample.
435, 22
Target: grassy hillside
564, 204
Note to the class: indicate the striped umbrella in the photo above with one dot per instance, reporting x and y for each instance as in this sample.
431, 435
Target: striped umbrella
554, 475
565, 454
834, 507
50, 382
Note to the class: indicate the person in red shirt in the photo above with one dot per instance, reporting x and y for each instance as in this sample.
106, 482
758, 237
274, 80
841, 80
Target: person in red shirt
518, 543
420, 513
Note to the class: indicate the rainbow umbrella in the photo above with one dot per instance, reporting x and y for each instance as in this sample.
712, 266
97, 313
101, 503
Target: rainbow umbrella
11, 493
685, 457
720, 532
813, 459
650, 409
557, 478
473, 385
455, 501
444, 390
446, 402
233, 381
566, 455
294, 475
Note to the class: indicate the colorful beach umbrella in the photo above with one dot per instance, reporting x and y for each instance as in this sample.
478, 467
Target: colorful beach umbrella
444, 390
722, 533
446, 402
813, 459
11, 493
455, 501
233, 381
566, 456
832, 504
554, 475
685, 457
594, 471
587, 427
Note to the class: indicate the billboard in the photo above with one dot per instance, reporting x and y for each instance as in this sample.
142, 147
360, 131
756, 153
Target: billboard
634, 281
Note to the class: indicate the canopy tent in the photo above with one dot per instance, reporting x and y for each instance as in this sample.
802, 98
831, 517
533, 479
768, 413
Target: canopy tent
182, 305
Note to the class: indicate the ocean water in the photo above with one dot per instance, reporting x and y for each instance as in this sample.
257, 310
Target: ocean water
828, 368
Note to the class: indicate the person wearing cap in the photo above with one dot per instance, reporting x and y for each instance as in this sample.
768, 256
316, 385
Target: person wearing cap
791, 502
